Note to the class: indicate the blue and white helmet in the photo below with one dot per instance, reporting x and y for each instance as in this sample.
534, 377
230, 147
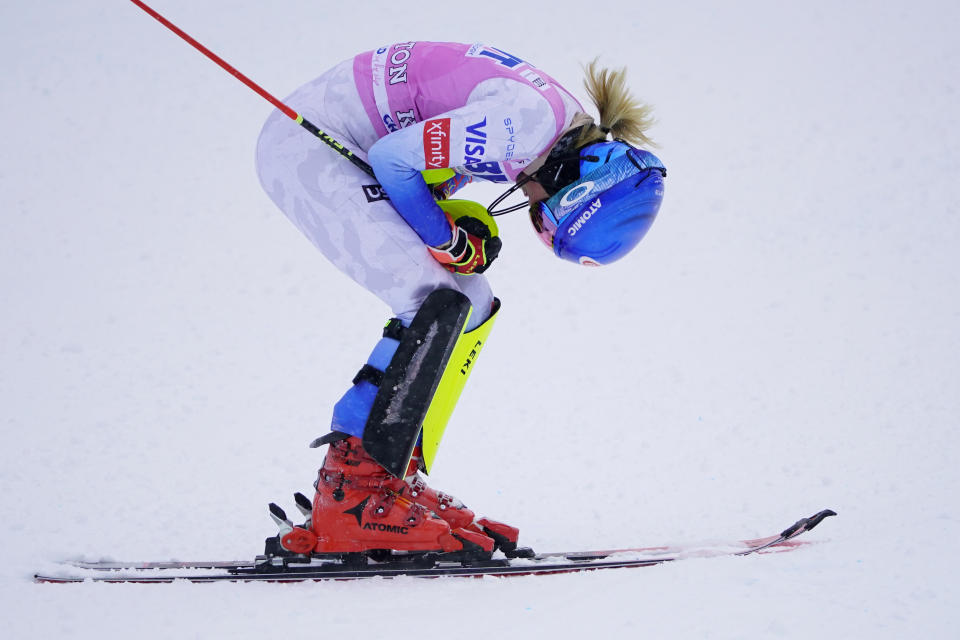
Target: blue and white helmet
601, 202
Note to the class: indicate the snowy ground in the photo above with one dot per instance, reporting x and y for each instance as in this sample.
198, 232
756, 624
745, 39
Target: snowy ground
785, 340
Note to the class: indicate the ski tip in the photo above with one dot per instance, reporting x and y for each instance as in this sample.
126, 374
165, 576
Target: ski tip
805, 524
817, 518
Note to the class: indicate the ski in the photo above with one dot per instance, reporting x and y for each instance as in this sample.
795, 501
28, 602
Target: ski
353, 566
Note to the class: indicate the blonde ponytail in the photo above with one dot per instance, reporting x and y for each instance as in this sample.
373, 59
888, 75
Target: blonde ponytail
620, 113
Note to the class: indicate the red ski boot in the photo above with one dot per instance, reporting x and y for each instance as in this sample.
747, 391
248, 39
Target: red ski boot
359, 507
455, 513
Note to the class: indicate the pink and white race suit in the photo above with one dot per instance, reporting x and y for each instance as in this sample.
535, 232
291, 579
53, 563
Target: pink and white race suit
404, 108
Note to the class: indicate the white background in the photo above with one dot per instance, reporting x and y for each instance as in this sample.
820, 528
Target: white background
784, 339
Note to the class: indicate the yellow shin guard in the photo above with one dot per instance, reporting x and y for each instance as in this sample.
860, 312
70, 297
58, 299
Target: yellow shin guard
454, 378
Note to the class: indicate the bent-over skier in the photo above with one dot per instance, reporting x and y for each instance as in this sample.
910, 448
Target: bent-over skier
430, 117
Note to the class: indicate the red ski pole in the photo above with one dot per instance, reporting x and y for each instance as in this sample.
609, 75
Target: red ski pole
290, 113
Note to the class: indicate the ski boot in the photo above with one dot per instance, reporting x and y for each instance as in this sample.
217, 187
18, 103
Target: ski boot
360, 507
456, 514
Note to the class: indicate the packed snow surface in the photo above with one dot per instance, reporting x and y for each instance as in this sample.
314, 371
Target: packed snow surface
784, 340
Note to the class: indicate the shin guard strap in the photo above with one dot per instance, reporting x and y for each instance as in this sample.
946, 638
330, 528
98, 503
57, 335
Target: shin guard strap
369, 373
394, 329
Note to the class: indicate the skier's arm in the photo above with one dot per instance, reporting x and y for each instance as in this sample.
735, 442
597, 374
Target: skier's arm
486, 131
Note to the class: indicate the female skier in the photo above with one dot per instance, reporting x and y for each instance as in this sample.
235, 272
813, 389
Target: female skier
430, 117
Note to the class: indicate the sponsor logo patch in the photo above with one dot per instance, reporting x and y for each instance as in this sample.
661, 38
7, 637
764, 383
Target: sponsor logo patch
577, 194
387, 528
584, 217
511, 137
436, 143
374, 192
476, 140
357, 512
465, 367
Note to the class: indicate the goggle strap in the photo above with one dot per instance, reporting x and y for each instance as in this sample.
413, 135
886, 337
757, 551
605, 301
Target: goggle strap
550, 183
506, 194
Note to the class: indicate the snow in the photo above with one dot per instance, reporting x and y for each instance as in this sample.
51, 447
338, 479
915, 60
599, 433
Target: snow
784, 340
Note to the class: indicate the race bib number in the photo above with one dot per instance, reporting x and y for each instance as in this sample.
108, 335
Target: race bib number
510, 61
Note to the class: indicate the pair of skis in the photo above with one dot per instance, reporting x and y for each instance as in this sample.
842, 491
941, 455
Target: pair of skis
355, 566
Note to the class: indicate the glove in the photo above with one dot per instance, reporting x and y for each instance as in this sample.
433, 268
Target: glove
472, 248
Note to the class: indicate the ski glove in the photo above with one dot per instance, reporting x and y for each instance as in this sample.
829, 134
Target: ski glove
471, 250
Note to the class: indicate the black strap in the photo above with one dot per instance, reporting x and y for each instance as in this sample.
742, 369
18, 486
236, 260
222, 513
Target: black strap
333, 436
393, 329
369, 373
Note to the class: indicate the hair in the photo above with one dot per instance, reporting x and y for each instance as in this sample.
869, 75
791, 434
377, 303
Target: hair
620, 113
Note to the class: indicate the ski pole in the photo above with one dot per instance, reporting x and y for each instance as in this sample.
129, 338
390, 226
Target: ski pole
290, 113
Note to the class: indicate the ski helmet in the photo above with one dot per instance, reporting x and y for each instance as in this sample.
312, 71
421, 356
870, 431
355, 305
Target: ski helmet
602, 201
